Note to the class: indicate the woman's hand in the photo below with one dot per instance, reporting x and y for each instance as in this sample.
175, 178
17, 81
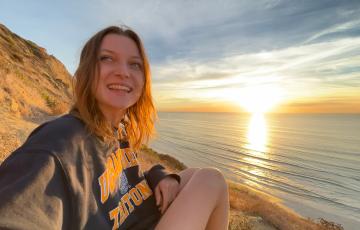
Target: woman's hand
165, 192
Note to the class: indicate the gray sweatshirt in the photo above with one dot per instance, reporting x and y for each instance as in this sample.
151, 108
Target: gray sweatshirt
62, 177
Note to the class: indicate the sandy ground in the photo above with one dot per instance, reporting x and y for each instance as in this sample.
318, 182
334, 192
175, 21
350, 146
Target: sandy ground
14, 131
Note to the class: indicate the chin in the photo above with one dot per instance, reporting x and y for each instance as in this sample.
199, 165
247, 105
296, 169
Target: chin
122, 106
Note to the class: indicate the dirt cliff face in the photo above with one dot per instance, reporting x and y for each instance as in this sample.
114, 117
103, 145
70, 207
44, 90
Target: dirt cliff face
32, 82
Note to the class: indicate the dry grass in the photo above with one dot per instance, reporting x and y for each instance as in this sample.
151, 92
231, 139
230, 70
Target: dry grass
8, 143
323, 224
251, 201
60, 108
14, 130
149, 157
239, 221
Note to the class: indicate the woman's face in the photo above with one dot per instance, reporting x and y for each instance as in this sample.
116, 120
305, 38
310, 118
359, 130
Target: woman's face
121, 75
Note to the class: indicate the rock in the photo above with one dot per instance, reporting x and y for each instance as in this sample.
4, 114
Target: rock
258, 223
243, 221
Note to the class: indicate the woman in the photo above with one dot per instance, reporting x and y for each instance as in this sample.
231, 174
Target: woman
80, 171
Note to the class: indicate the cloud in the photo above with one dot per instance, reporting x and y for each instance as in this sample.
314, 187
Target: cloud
339, 29
201, 50
307, 70
208, 29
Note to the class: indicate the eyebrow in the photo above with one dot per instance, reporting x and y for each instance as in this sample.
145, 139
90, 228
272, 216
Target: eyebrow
110, 51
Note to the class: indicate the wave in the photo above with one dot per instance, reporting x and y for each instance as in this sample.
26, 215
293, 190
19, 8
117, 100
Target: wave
316, 159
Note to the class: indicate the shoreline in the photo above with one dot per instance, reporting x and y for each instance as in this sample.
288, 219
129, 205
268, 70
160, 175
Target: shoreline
249, 208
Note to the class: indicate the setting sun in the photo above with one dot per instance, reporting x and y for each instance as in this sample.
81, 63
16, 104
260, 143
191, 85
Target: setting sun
260, 99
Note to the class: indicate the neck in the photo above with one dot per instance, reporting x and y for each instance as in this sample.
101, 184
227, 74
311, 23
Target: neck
114, 116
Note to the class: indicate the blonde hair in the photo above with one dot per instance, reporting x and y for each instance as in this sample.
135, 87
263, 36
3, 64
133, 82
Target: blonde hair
140, 117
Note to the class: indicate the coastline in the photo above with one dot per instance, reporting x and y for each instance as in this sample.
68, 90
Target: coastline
249, 208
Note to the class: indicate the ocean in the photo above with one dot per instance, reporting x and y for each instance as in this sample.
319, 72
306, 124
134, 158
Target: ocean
311, 162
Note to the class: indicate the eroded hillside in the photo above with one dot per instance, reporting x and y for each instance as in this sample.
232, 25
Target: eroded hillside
33, 87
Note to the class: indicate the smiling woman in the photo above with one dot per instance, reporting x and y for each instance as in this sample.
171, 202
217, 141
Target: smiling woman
80, 171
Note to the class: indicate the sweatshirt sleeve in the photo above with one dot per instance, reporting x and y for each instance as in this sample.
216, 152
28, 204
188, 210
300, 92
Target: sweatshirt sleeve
154, 175
33, 193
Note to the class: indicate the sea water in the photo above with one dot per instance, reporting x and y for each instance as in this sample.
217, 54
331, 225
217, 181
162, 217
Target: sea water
311, 162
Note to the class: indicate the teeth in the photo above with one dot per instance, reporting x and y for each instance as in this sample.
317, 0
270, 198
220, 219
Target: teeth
120, 87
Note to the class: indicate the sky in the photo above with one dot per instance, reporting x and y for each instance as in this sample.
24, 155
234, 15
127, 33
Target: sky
280, 56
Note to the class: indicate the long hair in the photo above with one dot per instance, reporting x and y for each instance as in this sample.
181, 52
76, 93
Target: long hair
140, 117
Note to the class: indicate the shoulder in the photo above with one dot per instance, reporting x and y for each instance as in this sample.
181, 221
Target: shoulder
17, 165
66, 138
61, 135
59, 127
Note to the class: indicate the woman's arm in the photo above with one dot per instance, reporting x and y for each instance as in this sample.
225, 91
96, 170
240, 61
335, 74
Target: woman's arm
154, 175
165, 186
33, 193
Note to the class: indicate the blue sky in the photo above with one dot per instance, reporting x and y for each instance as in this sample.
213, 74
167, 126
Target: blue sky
218, 55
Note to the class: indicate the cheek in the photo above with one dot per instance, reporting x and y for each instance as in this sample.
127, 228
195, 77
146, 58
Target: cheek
139, 81
101, 81
97, 87
103, 71
141, 86
97, 93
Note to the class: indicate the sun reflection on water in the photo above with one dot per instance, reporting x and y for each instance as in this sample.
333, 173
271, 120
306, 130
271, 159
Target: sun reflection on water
257, 133
257, 151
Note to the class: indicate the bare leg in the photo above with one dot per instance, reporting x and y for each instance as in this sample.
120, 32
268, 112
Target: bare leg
219, 218
186, 176
201, 203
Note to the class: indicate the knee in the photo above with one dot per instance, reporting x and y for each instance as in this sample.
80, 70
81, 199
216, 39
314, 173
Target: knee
213, 178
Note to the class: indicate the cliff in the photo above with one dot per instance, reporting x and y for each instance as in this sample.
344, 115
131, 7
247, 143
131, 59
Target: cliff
32, 81
33, 86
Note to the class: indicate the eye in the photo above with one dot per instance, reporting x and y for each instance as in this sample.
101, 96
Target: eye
136, 65
105, 58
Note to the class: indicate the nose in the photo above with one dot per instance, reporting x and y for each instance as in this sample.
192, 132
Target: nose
122, 70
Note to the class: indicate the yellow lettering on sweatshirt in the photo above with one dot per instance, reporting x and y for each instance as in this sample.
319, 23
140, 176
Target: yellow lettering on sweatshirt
114, 215
130, 158
124, 213
135, 196
115, 164
125, 207
111, 174
126, 200
144, 189
103, 182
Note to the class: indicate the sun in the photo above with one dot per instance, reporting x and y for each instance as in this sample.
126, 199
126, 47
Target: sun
259, 99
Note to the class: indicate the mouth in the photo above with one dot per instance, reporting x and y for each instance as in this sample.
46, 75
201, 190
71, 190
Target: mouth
122, 87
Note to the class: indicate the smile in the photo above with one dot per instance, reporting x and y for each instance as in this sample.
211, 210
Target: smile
119, 87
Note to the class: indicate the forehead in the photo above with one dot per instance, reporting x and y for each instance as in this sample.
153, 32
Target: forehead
119, 44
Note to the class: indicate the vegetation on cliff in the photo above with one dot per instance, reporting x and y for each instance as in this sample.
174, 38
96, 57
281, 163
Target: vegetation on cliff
32, 82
